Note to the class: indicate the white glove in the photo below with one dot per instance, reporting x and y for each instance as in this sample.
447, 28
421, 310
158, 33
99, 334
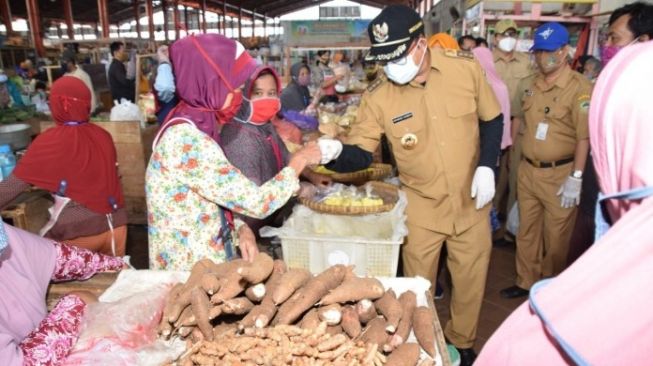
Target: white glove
330, 149
570, 192
483, 186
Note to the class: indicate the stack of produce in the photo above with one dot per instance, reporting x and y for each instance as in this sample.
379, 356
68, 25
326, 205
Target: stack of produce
264, 313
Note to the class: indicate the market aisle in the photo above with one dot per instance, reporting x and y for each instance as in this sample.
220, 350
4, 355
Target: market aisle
495, 309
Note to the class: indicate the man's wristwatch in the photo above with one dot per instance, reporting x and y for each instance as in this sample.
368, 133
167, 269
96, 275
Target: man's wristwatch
578, 174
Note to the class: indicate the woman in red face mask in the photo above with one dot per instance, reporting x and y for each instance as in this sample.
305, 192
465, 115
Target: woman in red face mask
191, 187
251, 142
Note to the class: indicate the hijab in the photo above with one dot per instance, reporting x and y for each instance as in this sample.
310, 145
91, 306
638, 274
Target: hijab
443, 40
484, 57
208, 69
296, 97
620, 125
245, 110
75, 152
26, 267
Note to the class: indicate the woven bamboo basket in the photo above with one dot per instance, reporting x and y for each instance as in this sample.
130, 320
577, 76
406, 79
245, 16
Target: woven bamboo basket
376, 171
387, 192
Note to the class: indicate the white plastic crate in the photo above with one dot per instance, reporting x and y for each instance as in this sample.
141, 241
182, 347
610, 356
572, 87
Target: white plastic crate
316, 253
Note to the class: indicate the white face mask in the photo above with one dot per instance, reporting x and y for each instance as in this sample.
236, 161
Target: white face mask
3, 78
403, 70
507, 44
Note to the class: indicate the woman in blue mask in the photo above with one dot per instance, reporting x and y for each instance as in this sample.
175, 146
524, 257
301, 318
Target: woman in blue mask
598, 311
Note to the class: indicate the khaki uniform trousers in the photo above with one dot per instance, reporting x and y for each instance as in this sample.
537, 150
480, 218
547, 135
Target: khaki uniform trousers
467, 259
544, 227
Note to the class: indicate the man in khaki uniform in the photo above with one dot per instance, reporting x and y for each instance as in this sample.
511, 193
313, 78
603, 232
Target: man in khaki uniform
429, 110
513, 67
555, 147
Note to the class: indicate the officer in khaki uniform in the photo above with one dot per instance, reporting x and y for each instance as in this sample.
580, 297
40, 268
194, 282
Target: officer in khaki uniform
429, 108
513, 68
555, 146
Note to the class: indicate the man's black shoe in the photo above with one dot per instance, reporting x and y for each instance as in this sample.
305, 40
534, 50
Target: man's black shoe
467, 356
513, 292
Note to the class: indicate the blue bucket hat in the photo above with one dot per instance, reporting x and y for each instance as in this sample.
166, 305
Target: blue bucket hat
550, 37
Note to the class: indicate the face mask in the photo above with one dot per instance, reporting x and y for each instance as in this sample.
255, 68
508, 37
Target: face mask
263, 109
404, 70
609, 52
304, 80
227, 113
507, 44
601, 224
3, 78
551, 64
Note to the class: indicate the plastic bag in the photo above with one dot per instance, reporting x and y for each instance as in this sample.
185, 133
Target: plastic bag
125, 332
303, 121
513, 219
126, 111
287, 131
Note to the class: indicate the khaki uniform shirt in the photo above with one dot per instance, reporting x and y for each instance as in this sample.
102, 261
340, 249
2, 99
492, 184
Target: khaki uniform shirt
443, 115
555, 116
512, 72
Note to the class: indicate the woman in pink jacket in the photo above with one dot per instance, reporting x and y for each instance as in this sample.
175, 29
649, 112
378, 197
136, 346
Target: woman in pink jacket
599, 311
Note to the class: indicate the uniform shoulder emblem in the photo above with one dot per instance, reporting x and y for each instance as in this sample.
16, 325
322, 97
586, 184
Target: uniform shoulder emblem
375, 84
459, 53
584, 102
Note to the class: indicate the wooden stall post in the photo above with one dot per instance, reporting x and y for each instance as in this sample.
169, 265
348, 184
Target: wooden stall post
103, 12
35, 26
203, 9
68, 15
150, 19
6, 15
175, 17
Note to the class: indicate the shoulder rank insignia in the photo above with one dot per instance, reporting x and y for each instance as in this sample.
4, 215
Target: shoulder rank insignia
458, 53
375, 84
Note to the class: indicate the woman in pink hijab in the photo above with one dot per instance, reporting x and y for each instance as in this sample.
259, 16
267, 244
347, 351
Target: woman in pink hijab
598, 311
29, 335
191, 187
485, 58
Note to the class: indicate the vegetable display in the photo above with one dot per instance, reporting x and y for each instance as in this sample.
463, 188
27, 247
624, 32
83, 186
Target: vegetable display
263, 313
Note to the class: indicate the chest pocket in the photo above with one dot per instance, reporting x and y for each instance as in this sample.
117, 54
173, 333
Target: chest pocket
462, 121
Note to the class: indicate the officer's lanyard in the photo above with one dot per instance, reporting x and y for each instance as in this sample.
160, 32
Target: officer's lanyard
566, 347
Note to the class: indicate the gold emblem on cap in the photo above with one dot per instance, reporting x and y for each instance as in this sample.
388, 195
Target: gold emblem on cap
409, 141
380, 32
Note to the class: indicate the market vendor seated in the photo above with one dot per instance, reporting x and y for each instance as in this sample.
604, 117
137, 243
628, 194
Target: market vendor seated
296, 96
191, 187
29, 335
76, 161
252, 144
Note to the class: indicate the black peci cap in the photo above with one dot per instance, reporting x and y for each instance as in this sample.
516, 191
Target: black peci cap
392, 31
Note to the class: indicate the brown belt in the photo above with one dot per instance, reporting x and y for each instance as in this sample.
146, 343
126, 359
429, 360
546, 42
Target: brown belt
548, 164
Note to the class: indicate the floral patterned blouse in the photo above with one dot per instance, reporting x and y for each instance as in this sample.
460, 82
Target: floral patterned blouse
188, 178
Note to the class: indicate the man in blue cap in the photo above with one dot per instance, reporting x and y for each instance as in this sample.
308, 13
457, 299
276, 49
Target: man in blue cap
555, 144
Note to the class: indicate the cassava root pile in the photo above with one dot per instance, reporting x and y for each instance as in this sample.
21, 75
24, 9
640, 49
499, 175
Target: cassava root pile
283, 345
263, 313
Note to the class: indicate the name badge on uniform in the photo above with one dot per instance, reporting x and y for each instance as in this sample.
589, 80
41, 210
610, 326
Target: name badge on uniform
542, 129
403, 117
